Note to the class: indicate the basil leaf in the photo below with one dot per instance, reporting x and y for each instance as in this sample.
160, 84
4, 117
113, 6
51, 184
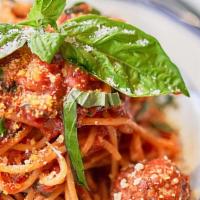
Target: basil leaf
45, 45
71, 138
2, 128
45, 12
96, 98
121, 55
87, 100
11, 39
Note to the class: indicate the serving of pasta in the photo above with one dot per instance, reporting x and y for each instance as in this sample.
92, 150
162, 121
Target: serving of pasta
80, 116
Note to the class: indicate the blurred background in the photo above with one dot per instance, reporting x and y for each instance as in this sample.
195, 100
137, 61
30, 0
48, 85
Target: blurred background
186, 11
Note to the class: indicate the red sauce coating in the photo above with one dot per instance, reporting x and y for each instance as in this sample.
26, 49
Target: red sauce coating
32, 91
157, 179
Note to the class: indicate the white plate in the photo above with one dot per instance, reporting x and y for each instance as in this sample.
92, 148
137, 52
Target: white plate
183, 46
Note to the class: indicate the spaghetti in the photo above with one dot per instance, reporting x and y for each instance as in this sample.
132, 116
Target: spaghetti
34, 163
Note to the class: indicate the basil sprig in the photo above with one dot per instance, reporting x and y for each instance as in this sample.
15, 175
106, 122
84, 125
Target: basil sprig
121, 55
87, 100
43, 44
2, 127
45, 12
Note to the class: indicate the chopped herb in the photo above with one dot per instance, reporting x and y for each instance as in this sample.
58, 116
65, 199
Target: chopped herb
2, 127
9, 88
162, 126
86, 100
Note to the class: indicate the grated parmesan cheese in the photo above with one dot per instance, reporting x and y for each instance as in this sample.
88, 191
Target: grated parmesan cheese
118, 196
139, 166
88, 48
143, 42
103, 31
137, 181
123, 183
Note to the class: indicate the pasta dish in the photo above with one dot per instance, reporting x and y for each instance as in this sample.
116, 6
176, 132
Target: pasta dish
80, 116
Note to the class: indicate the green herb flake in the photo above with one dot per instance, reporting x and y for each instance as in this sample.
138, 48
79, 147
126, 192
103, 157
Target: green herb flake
2, 127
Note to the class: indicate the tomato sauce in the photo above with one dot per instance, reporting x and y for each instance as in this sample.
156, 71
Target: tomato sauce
32, 91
